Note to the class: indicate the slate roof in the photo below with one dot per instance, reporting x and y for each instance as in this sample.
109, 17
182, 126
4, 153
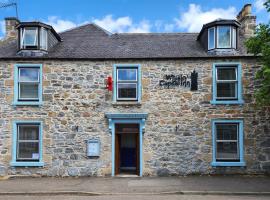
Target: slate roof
92, 42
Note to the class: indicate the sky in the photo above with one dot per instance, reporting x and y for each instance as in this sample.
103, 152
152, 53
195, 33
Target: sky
140, 16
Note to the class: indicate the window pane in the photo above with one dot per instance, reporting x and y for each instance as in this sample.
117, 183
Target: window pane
227, 90
127, 90
234, 38
28, 150
29, 74
28, 132
28, 91
211, 38
127, 74
226, 73
227, 150
224, 37
43, 38
226, 131
30, 37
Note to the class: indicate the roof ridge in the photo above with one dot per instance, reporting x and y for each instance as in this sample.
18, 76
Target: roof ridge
160, 33
87, 24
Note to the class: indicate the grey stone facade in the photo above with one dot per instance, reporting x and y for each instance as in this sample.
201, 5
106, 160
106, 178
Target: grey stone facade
74, 94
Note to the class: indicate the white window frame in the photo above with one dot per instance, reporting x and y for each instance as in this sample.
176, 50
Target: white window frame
126, 82
23, 44
30, 141
221, 141
227, 81
28, 82
214, 28
230, 46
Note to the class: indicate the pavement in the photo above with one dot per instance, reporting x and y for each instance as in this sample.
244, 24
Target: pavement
97, 186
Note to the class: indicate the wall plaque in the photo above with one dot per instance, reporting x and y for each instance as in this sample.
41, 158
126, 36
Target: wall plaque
181, 80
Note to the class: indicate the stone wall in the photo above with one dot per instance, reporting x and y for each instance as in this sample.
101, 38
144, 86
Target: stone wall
74, 94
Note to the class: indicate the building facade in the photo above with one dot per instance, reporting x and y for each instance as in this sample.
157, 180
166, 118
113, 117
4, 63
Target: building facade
86, 102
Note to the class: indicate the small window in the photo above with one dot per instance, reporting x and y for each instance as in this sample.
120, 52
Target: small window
234, 36
43, 38
27, 144
28, 84
227, 84
127, 83
211, 38
29, 37
224, 37
227, 142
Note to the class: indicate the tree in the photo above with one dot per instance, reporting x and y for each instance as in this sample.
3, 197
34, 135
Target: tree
259, 44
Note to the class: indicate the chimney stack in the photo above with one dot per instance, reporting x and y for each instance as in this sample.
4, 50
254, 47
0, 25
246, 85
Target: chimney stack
247, 20
11, 31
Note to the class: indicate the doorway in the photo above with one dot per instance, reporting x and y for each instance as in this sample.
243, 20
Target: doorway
127, 149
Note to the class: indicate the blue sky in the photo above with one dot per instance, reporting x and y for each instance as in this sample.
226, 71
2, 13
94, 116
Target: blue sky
131, 15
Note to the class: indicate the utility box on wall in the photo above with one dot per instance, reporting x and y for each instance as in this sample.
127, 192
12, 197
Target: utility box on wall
93, 148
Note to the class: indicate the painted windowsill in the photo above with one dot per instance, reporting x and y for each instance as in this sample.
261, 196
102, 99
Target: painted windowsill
27, 103
127, 103
228, 164
27, 164
238, 102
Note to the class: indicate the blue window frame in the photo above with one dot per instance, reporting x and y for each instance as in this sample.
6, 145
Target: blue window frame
227, 83
27, 84
127, 82
27, 144
228, 143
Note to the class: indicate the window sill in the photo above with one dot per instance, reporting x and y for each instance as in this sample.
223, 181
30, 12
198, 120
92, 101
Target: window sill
238, 102
27, 164
126, 103
228, 164
27, 103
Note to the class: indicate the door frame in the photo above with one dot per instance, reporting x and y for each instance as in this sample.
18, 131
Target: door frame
126, 118
118, 152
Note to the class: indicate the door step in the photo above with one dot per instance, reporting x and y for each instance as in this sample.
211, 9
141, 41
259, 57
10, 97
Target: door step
127, 176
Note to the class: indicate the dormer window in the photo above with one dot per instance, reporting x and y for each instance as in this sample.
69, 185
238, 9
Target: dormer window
29, 38
222, 37
34, 38
219, 37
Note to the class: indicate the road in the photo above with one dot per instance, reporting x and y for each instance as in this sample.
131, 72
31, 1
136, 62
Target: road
137, 197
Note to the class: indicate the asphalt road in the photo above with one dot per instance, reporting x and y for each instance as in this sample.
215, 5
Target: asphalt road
137, 197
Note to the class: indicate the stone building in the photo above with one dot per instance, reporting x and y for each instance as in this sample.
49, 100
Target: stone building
86, 102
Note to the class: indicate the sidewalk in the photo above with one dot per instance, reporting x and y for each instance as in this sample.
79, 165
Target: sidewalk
225, 185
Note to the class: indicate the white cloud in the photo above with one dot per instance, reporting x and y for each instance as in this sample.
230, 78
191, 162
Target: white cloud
161, 26
122, 24
169, 27
60, 25
259, 5
193, 19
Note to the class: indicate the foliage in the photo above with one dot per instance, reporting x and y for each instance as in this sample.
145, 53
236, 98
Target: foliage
260, 45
